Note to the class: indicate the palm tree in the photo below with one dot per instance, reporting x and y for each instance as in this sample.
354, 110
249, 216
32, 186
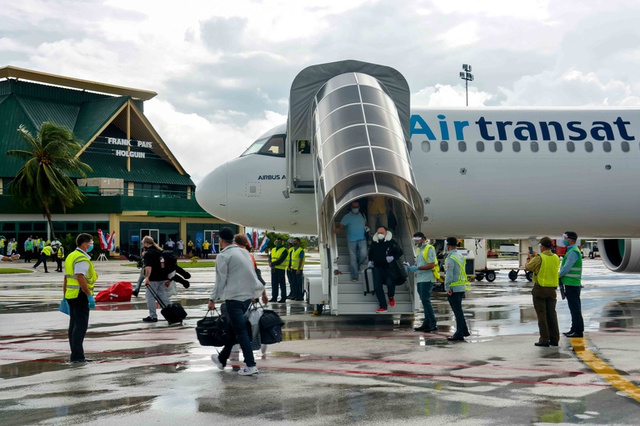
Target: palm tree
44, 179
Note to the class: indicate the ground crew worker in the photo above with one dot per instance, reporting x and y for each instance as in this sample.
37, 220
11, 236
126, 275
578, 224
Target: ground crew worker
28, 249
278, 262
425, 267
455, 284
3, 243
44, 254
14, 246
297, 257
571, 277
545, 278
80, 276
59, 257
290, 277
205, 249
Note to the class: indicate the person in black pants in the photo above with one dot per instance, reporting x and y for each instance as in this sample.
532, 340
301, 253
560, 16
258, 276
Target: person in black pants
278, 262
382, 252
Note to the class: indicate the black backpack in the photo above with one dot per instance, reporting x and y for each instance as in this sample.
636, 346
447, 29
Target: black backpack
270, 327
170, 261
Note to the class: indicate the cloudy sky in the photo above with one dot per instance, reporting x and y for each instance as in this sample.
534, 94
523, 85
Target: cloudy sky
223, 68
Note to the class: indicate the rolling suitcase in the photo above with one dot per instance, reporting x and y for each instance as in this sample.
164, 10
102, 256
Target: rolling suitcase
173, 313
368, 281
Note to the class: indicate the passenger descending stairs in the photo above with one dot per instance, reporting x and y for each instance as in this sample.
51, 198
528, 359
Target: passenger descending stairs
351, 298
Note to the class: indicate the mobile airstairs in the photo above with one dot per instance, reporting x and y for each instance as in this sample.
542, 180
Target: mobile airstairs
348, 136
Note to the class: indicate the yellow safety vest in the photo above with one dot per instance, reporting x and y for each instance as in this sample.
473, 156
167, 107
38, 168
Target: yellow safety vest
547, 276
462, 279
275, 255
46, 250
436, 269
295, 258
60, 253
73, 286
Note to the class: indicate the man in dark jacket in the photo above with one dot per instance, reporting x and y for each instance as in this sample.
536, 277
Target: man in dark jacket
382, 252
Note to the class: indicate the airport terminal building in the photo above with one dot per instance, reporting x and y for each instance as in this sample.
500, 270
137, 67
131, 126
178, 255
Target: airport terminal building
136, 187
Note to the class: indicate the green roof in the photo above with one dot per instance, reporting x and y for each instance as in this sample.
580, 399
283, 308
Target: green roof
87, 114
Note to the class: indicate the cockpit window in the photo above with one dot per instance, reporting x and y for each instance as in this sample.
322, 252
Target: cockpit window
273, 145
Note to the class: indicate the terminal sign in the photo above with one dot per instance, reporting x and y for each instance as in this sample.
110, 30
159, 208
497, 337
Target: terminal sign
130, 143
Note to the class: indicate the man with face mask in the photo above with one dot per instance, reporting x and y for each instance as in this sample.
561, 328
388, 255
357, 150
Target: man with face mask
571, 277
382, 252
425, 263
297, 265
455, 284
78, 291
278, 262
356, 226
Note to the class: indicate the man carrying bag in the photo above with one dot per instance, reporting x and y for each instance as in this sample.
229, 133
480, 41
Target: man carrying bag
236, 283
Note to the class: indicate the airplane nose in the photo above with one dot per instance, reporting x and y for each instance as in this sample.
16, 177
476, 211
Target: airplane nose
211, 193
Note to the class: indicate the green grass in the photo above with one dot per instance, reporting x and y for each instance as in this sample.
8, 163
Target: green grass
14, 271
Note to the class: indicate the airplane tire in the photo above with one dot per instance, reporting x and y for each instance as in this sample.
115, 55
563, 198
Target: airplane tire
529, 275
513, 275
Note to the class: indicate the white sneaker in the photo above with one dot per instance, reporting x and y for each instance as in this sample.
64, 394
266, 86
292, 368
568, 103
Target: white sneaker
354, 281
217, 362
248, 371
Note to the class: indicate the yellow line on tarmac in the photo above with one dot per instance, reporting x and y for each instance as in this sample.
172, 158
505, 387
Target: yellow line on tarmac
604, 369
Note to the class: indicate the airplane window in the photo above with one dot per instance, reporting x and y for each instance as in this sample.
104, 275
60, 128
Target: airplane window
274, 147
606, 146
553, 147
462, 146
588, 146
516, 146
444, 146
498, 146
571, 146
625, 146
255, 147
480, 146
534, 147
426, 146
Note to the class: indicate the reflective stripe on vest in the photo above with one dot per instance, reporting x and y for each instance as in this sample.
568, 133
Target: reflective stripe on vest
275, 255
574, 277
462, 279
73, 286
295, 258
547, 276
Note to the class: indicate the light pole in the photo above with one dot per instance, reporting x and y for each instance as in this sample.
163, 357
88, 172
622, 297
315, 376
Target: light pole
467, 77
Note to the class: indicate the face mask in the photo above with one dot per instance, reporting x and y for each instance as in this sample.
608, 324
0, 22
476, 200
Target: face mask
355, 211
381, 236
89, 248
278, 245
565, 242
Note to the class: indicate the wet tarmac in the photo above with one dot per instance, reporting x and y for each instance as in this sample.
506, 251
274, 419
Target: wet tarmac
328, 370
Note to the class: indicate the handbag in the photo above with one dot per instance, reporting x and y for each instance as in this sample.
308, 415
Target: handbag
398, 274
212, 331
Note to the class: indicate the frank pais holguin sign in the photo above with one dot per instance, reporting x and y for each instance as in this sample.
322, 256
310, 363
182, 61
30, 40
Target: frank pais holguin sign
132, 144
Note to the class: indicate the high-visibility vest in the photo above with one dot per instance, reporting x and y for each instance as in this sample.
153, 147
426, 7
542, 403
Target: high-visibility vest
46, 250
73, 286
295, 258
60, 253
574, 277
462, 279
275, 255
436, 269
1, 242
28, 245
547, 276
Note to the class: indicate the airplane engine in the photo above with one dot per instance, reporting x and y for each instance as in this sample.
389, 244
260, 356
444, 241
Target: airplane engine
620, 255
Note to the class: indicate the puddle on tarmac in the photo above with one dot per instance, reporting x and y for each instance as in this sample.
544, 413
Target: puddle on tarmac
29, 368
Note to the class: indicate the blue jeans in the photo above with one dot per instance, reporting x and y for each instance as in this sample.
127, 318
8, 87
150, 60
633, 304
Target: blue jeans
424, 290
236, 321
455, 300
382, 276
357, 255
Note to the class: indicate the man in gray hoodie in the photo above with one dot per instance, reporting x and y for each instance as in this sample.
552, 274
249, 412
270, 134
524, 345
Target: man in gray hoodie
236, 284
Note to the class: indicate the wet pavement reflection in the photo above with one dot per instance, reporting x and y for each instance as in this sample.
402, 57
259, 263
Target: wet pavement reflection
328, 369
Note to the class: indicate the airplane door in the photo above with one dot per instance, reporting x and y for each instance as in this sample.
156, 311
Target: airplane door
302, 169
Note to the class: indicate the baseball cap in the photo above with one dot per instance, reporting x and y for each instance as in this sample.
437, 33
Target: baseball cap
226, 234
452, 241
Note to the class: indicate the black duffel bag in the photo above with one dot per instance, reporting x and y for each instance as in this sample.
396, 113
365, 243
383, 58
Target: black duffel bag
270, 327
212, 331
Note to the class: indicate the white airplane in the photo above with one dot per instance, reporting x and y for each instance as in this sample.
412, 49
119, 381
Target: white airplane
463, 172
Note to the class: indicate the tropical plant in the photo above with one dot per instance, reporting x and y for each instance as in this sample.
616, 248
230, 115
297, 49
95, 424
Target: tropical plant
44, 181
